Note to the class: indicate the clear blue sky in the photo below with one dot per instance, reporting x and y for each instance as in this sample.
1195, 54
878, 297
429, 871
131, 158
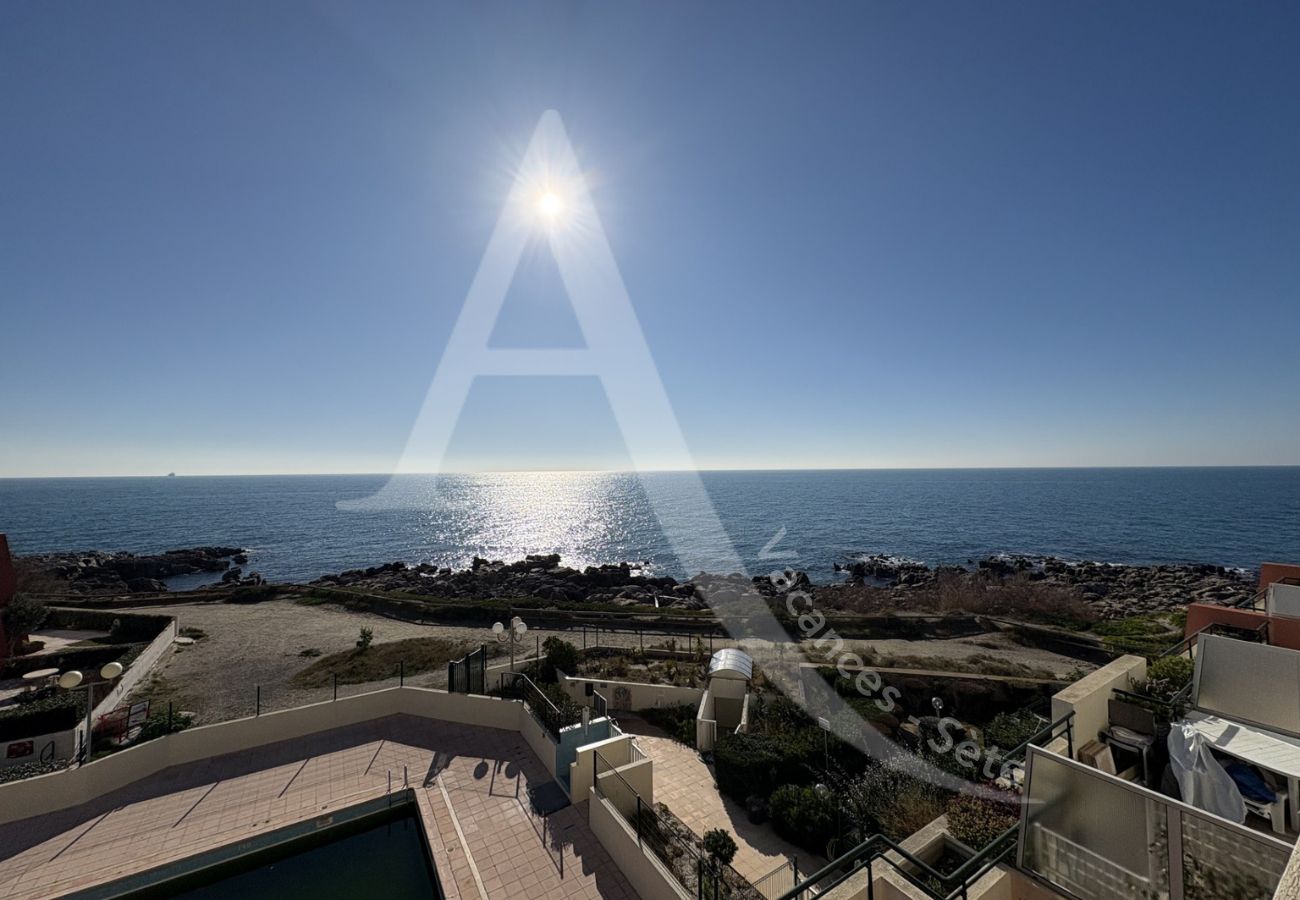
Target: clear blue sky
234, 236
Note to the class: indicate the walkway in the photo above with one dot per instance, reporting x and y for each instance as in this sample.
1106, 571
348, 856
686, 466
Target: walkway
685, 784
471, 784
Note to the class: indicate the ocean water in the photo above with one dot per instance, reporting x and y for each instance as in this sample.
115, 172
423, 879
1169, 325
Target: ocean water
296, 531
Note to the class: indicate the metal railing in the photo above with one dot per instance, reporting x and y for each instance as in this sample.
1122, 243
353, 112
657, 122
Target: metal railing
780, 880
1259, 635
694, 869
518, 686
1062, 727
880, 851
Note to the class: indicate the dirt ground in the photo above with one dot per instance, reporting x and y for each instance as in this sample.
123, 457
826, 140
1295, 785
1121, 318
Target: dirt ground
251, 645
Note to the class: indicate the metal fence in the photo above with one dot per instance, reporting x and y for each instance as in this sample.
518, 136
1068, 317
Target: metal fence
779, 881
468, 675
518, 686
681, 853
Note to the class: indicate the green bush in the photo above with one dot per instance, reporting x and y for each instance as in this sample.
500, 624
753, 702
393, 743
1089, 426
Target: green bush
42, 713
803, 816
31, 769
22, 616
977, 820
720, 845
1171, 673
559, 656
158, 725
678, 721
747, 764
1009, 730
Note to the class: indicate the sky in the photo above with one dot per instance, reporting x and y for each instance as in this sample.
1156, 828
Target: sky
234, 237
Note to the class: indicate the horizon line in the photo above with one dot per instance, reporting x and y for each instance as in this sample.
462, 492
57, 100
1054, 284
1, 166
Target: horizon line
540, 471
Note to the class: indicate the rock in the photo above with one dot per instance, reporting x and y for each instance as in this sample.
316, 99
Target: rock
146, 586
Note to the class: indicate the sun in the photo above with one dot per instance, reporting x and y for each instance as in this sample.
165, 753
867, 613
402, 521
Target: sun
550, 205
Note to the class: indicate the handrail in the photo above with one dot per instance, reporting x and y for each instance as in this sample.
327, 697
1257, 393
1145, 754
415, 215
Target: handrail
1186, 644
879, 845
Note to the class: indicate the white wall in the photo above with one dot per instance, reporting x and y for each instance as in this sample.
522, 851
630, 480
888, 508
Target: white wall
642, 868
65, 747
1088, 698
47, 793
617, 751
641, 695
139, 668
1284, 600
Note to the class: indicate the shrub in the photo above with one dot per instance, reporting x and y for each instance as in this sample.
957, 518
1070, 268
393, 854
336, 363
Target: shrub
752, 763
678, 721
720, 846
158, 725
804, 817
41, 713
1009, 730
977, 820
558, 656
22, 616
1170, 674
366, 638
31, 769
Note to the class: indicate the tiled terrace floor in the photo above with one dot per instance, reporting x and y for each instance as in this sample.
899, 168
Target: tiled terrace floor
469, 781
686, 785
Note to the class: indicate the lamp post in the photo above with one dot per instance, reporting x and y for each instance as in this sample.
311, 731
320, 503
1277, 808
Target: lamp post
70, 680
514, 634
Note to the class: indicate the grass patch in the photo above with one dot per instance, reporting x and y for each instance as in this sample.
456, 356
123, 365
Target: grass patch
381, 661
309, 653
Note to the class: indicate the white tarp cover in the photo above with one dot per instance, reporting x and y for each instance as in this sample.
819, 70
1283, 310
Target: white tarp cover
1204, 783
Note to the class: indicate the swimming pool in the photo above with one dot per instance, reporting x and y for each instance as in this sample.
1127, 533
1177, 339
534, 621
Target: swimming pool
373, 850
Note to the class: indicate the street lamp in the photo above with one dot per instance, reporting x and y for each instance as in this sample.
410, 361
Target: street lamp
70, 680
513, 635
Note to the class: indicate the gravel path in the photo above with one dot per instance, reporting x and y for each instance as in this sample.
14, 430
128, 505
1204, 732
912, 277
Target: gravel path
251, 645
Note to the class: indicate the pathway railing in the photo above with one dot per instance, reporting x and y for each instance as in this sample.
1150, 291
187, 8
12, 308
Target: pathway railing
519, 686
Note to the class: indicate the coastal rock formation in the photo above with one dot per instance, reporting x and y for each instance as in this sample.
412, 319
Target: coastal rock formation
540, 576
98, 572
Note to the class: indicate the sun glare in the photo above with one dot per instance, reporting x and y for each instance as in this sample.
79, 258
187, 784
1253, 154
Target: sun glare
550, 205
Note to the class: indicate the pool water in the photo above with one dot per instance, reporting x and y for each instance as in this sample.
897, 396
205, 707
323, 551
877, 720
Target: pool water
364, 859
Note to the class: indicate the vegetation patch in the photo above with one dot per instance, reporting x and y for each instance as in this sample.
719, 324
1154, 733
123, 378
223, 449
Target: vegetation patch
379, 661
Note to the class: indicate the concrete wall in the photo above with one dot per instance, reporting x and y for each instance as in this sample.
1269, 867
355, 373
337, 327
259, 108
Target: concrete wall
927, 845
639, 864
47, 793
1283, 631
1270, 573
616, 750
1088, 697
639, 695
622, 786
706, 726
139, 668
64, 747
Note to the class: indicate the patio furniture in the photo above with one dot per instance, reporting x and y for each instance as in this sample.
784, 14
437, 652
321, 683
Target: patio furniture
1267, 750
39, 677
1133, 730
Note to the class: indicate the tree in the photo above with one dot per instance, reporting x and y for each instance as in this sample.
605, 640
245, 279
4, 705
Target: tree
720, 846
22, 616
560, 656
363, 642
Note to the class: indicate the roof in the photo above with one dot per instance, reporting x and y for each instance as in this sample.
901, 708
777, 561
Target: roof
736, 663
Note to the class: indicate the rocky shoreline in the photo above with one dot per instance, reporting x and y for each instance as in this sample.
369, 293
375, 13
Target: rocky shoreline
96, 572
1086, 590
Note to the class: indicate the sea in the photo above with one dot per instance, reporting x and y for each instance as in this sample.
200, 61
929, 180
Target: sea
300, 527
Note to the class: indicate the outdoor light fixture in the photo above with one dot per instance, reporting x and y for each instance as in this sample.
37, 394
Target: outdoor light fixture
71, 679
512, 635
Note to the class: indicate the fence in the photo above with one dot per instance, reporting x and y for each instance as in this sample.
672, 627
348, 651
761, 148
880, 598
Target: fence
676, 846
468, 675
518, 686
779, 881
